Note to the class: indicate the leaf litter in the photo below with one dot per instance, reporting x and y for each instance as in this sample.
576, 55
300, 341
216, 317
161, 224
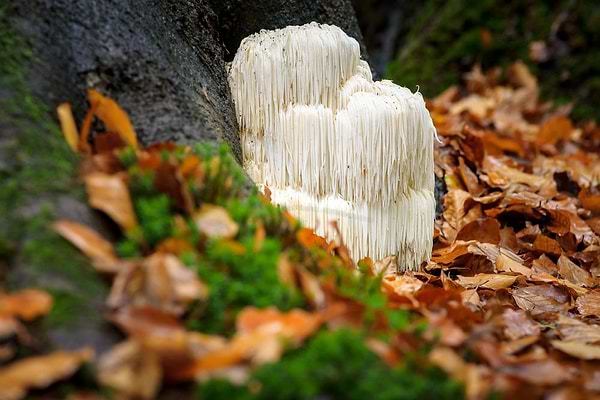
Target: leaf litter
507, 304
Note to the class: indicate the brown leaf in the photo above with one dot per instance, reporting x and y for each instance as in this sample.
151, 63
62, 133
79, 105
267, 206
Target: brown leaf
39, 372
554, 129
489, 281
113, 116
544, 244
485, 230
110, 194
590, 201
541, 298
27, 304
573, 273
517, 324
542, 372
579, 350
215, 222
589, 304
131, 370
401, 285
505, 263
571, 329
90, 243
456, 206
68, 126
295, 324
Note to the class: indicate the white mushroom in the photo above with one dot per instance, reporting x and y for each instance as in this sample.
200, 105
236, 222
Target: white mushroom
332, 144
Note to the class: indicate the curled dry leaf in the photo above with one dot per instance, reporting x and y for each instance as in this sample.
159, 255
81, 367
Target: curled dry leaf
517, 324
131, 370
110, 194
27, 304
113, 116
589, 304
401, 285
579, 350
573, 273
215, 222
89, 243
542, 298
39, 372
489, 281
571, 329
68, 126
161, 281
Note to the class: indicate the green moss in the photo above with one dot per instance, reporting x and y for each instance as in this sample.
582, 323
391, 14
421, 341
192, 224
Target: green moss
336, 365
238, 280
445, 40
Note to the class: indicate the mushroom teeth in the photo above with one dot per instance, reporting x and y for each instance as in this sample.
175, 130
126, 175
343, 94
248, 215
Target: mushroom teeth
332, 144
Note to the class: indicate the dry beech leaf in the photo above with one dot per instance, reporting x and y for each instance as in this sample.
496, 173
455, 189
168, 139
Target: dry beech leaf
27, 304
571, 329
401, 285
505, 263
554, 129
68, 126
39, 372
488, 281
590, 201
131, 370
215, 222
110, 194
113, 116
579, 350
517, 324
541, 298
589, 304
485, 230
89, 243
573, 273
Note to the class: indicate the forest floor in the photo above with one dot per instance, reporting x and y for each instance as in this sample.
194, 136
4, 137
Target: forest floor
219, 293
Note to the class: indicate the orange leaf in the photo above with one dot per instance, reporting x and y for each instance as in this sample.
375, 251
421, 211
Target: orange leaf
39, 372
68, 126
110, 194
113, 116
27, 304
89, 242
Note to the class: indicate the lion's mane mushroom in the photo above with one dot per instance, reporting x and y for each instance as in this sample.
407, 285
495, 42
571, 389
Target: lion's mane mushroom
332, 144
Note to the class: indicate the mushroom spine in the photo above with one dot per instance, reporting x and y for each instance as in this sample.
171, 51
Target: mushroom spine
332, 144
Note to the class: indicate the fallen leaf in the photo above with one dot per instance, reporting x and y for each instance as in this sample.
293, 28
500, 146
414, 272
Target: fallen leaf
573, 273
571, 329
554, 129
589, 304
517, 324
541, 298
579, 350
215, 222
110, 194
489, 281
113, 116
68, 126
90, 243
485, 230
131, 370
27, 304
39, 372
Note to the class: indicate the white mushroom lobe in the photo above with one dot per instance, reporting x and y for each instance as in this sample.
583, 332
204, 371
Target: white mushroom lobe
332, 144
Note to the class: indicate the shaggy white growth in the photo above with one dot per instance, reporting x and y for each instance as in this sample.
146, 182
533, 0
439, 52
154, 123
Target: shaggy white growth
332, 144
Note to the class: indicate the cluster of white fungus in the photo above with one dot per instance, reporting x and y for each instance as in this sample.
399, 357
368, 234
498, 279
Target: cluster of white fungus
332, 144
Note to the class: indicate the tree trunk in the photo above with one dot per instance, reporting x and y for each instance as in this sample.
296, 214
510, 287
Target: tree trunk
164, 62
